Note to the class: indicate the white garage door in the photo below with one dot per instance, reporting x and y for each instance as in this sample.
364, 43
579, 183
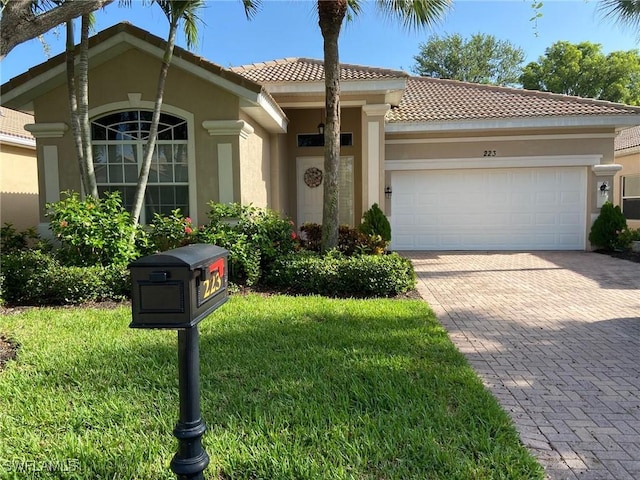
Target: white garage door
490, 209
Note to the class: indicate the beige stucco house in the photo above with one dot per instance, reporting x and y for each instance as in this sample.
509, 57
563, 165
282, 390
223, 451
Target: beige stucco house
627, 180
454, 165
18, 171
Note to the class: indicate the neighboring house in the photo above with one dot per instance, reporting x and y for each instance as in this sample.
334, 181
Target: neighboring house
454, 165
627, 181
18, 171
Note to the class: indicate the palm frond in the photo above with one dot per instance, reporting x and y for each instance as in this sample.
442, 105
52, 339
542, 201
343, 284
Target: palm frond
414, 14
251, 7
626, 12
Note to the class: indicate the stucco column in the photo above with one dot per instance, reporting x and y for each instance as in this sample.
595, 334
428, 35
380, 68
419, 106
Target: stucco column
601, 188
373, 155
46, 135
227, 153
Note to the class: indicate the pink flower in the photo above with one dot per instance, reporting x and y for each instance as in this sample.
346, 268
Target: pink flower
188, 220
188, 230
293, 235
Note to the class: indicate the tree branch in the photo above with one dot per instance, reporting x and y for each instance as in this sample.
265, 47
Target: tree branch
19, 23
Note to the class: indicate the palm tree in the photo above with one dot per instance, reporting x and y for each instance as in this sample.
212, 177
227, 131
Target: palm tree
80, 126
626, 12
175, 11
331, 15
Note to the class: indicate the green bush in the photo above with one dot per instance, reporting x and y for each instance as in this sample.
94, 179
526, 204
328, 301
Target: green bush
606, 228
11, 240
36, 278
351, 241
624, 239
337, 275
165, 233
255, 237
375, 222
92, 231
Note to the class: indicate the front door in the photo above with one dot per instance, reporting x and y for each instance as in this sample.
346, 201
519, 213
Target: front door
310, 186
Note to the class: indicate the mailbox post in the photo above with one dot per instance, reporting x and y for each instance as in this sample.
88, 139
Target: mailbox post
176, 290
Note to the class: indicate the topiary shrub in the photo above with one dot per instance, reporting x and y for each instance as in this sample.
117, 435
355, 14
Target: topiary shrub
337, 275
375, 222
606, 228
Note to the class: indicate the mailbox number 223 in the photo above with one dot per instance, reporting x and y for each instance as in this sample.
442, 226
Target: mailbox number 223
214, 283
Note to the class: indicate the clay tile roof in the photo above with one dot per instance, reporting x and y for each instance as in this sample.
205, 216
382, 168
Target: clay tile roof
628, 138
12, 123
309, 70
431, 100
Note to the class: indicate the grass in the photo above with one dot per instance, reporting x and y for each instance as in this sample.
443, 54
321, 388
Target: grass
292, 388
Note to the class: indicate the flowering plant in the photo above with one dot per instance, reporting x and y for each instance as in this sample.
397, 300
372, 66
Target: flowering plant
172, 231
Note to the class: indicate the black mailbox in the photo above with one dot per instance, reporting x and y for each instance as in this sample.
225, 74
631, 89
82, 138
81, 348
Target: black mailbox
178, 288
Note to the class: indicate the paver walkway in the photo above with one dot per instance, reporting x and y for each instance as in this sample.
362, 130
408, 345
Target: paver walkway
556, 337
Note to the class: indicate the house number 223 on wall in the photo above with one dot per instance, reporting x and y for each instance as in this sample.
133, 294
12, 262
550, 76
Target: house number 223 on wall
489, 153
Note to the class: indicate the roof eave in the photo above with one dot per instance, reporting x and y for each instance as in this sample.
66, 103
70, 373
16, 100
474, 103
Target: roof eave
613, 121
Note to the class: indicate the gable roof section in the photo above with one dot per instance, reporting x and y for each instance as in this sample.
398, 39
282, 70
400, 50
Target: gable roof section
12, 130
627, 139
305, 76
254, 98
432, 104
309, 70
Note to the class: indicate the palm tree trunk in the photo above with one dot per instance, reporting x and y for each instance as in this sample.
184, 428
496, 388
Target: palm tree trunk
73, 102
331, 14
83, 107
143, 177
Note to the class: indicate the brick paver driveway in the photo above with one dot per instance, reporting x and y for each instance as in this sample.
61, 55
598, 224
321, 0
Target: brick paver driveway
556, 337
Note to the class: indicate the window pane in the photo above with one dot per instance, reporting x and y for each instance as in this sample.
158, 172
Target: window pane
631, 186
167, 195
180, 132
115, 174
99, 154
101, 173
114, 154
130, 173
182, 196
631, 208
98, 132
181, 173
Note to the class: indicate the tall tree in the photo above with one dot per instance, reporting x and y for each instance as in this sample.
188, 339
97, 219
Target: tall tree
583, 70
24, 20
331, 15
480, 59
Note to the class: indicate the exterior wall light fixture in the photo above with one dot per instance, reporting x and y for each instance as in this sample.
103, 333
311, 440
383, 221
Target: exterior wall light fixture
387, 192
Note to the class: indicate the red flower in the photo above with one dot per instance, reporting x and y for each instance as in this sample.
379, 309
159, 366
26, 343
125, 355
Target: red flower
294, 235
188, 230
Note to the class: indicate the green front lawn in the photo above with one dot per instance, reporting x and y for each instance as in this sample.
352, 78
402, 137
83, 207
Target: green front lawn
292, 388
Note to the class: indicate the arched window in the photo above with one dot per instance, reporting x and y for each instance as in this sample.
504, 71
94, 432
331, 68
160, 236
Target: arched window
119, 140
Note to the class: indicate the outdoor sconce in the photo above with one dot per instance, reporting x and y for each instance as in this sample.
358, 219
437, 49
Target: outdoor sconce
387, 192
321, 128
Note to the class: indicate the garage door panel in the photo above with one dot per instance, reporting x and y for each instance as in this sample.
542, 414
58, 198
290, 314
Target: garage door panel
494, 209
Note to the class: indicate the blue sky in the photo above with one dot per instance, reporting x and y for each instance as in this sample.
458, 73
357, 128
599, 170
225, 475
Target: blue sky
289, 29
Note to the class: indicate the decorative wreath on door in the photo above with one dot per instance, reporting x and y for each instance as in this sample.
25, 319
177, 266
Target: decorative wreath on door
313, 177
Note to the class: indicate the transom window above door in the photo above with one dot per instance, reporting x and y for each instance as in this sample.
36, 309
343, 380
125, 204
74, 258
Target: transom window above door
119, 141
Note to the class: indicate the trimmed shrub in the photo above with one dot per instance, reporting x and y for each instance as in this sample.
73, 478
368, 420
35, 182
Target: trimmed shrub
11, 240
92, 231
606, 228
255, 237
337, 275
375, 222
36, 278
